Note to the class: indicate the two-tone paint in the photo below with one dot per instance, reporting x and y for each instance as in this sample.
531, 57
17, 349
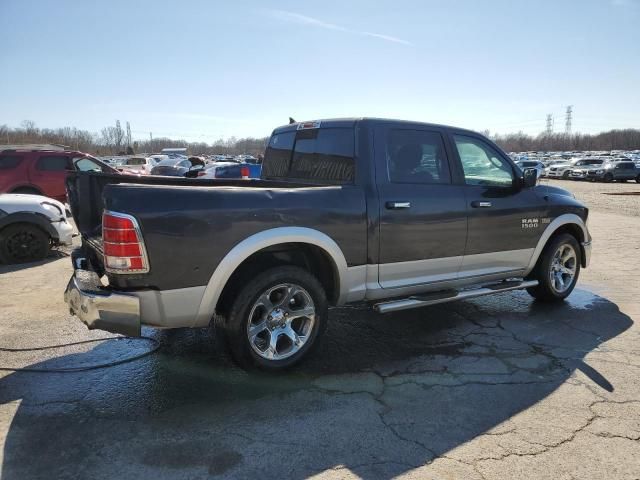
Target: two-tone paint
384, 240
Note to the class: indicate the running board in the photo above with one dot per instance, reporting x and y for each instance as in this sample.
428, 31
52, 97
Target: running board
450, 296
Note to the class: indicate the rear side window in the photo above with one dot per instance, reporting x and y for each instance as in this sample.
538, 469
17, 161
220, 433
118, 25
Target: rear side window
7, 162
626, 166
54, 163
416, 156
323, 155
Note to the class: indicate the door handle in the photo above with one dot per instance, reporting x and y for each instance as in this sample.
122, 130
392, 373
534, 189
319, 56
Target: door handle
479, 204
397, 205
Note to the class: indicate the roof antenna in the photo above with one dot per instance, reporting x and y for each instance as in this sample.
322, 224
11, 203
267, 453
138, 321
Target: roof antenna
291, 120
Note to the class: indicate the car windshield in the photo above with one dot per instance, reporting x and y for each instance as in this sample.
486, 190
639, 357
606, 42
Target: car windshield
171, 162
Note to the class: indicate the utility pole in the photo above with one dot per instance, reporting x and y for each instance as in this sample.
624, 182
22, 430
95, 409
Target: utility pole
567, 122
549, 130
151, 142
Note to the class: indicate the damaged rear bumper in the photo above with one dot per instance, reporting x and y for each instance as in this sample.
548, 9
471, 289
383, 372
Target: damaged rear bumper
99, 308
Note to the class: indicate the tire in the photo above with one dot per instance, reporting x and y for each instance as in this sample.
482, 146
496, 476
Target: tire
638, 179
549, 288
565, 175
262, 304
23, 242
608, 178
27, 191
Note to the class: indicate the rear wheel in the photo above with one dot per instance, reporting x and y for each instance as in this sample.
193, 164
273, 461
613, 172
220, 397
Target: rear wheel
638, 179
608, 178
557, 269
276, 318
23, 242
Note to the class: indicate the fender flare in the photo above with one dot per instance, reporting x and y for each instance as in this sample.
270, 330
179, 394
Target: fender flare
34, 218
257, 242
565, 219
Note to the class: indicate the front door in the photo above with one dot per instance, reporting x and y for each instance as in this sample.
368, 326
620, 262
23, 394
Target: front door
505, 220
423, 224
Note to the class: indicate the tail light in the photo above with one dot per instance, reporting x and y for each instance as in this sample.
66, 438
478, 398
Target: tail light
123, 247
202, 173
244, 172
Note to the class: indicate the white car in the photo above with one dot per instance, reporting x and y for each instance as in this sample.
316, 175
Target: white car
223, 169
539, 167
139, 165
30, 225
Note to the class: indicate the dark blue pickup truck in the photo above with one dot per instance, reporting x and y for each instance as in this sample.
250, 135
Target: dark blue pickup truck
399, 214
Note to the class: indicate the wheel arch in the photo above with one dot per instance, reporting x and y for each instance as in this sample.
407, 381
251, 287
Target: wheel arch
26, 186
566, 223
332, 264
35, 219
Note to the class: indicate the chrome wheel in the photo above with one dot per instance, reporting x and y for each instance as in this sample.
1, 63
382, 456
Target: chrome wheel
564, 264
281, 321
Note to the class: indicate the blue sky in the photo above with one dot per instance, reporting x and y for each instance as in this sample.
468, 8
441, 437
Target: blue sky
202, 70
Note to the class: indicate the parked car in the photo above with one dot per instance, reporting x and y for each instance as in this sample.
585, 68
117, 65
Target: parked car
138, 165
30, 225
42, 170
174, 167
538, 166
231, 170
580, 168
395, 218
559, 170
615, 171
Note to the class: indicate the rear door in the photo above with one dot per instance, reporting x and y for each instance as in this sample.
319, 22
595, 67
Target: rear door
505, 220
423, 224
49, 172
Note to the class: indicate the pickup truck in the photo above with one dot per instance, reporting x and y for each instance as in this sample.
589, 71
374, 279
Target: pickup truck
398, 214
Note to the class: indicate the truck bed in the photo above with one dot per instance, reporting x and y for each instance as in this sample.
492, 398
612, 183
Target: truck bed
189, 225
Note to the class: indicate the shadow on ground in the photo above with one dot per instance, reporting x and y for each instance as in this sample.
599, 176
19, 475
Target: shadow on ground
54, 255
380, 396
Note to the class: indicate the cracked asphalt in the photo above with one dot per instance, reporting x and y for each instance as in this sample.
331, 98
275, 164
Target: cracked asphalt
500, 387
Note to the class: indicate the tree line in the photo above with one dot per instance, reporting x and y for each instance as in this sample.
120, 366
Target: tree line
114, 140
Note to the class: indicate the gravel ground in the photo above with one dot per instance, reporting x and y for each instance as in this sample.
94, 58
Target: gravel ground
621, 198
495, 388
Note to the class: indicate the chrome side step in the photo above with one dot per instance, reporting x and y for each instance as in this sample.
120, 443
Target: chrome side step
434, 298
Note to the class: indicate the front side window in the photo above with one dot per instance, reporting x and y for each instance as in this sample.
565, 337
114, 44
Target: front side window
481, 163
53, 163
416, 156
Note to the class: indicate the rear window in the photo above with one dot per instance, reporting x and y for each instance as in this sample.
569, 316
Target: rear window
8, 162
322, 155
136, 161
53, 163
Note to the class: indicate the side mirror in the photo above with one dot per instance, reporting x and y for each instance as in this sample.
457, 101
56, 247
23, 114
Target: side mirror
530, 177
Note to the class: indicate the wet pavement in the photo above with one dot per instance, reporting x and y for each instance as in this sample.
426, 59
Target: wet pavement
498, 387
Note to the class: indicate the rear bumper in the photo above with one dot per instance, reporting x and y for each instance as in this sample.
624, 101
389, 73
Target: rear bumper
101, 309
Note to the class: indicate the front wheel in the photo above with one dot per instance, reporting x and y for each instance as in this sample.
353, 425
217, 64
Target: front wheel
557, 269
276, 318
23, 242
608, 178
565, 175
638, 179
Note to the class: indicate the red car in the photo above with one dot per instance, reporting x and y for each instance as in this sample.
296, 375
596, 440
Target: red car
42, 169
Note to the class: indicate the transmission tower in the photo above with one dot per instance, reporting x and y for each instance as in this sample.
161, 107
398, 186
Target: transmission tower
549, 129
128, 135
567, 122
